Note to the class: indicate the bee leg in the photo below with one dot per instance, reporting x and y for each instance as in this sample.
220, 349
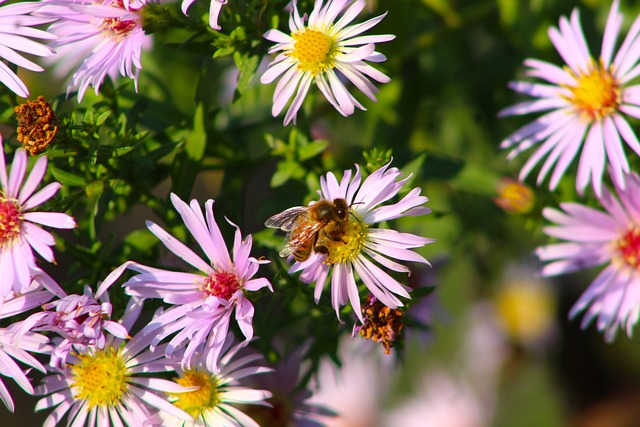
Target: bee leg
321, 249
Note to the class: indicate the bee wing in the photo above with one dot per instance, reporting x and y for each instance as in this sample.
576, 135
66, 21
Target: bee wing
286, 220
304, 231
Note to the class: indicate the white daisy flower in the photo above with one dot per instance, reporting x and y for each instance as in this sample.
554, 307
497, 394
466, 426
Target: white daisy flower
351, 244
314, 51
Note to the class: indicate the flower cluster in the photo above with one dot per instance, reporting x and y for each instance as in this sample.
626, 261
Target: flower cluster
588, 104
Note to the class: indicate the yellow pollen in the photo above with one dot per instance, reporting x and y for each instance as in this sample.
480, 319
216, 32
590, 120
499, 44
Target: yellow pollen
314, 50
349, 246
100, 379
10, 221
596, 94
196, 402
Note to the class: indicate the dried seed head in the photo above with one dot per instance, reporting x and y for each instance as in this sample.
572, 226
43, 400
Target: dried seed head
37, 125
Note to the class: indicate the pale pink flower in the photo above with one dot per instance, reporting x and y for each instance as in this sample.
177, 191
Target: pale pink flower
215, 6
12, 350
100, 38
202, 302
16, 34
20, 233
119, 384
358, 389
364, 248
222, 396
315, 50
586, 104
594, 237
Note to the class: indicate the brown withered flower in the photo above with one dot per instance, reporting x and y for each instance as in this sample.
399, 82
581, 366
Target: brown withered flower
37, 125
381, 324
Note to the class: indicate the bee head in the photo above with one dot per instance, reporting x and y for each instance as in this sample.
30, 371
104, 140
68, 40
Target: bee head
342, 208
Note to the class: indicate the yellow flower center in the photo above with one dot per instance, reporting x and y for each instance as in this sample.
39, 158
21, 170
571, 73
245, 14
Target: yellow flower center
349, 245
629, 247
101, 378
314, 50
514, 196
10, 221
525, 310
196, 402
596, 94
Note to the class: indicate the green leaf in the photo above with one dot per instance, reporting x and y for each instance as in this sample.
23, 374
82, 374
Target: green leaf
66, 178
197, 138
280, 176
94, 189
413, 169
247, 71
142, 240
313, 149
102, 117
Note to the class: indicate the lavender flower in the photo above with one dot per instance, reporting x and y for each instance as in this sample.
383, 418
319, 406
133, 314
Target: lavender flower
595, 237
203, 302
103, 37
587, 101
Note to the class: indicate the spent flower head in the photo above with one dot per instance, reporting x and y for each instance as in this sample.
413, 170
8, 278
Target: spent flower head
37, 125
202, 302
324, 51
587, 103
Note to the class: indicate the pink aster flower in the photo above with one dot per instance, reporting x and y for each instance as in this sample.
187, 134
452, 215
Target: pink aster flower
42, 289
16, 34
202, 302
290, 400
80, 321
314, 51
20, 234
358, 389
12, 350
361, 248
586, 104
119, 384
595, 237
103, 37
222, 394
215, 6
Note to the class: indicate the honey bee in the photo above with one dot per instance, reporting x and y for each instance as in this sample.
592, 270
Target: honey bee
308, 226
